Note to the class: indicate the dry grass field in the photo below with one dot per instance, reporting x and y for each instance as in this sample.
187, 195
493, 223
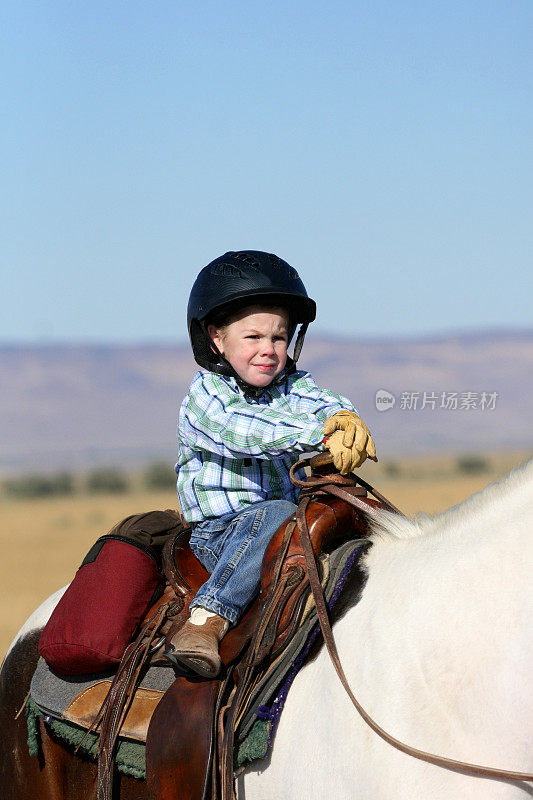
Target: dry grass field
44, 541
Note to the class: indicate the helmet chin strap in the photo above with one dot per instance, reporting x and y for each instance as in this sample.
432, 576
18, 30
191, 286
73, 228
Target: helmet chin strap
256, 391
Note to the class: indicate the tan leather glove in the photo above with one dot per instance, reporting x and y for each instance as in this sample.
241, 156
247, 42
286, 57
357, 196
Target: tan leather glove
346, 459
356, 436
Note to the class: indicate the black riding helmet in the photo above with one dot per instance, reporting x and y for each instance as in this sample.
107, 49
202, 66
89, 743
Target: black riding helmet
234, 281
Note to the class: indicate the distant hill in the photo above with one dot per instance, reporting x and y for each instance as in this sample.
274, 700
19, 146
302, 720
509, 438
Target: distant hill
79, 405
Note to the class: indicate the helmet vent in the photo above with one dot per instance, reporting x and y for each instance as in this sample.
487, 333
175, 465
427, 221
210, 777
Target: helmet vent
247, 259
226, 270
278, 264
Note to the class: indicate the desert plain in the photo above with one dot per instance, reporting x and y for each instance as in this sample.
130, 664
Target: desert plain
43, 541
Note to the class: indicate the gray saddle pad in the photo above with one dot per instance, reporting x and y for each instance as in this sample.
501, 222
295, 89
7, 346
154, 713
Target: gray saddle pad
53, 693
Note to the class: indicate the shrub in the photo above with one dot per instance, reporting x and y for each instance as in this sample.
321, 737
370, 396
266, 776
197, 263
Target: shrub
472, 464
391, 470
159, 476
35, 485
107, 479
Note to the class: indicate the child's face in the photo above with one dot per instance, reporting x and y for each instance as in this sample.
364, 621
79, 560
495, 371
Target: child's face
255, 344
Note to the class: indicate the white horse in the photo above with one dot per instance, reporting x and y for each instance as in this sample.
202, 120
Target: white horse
439, 651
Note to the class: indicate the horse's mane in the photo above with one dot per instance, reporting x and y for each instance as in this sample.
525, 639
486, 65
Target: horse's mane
498, 502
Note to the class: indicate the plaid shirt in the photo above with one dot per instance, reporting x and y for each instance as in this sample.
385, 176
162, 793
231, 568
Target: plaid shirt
234, 450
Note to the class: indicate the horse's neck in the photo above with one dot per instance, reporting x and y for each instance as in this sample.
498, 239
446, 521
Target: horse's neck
442, 625
481, 545
438, 650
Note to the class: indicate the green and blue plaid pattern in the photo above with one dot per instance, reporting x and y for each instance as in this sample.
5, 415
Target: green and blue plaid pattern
234, 450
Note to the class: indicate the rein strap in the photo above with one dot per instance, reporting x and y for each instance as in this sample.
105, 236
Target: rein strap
330, 484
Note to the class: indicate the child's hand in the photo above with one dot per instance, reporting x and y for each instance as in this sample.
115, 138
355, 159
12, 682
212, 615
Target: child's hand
346, 459
356, 437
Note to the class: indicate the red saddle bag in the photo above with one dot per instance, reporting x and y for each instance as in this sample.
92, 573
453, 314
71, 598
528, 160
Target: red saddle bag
100, 611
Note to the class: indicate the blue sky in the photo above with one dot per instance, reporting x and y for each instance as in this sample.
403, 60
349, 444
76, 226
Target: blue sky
384, 149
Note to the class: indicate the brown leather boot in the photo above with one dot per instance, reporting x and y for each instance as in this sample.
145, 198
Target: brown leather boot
196, 646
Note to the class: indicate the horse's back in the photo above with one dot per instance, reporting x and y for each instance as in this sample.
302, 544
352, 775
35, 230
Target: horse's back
38, 619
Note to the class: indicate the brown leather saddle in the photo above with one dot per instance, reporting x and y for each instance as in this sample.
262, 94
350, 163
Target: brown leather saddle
187, 727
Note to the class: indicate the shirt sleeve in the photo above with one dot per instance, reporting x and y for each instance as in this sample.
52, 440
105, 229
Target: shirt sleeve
308, 398
217, 419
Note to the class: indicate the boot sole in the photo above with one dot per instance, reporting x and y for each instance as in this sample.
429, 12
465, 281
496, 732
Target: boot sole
193, 664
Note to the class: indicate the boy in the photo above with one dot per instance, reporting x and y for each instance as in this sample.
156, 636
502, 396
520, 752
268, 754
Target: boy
243, 424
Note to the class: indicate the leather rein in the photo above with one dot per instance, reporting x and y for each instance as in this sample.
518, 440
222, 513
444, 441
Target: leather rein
339, 486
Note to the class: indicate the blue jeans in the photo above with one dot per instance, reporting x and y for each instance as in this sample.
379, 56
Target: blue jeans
231, 548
